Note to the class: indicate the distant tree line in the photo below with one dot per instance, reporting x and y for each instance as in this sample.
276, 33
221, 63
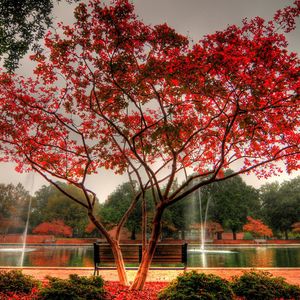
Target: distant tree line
231, 203
22, 25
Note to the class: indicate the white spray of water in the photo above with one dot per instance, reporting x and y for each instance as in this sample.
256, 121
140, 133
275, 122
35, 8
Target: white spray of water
31, 178
203, 220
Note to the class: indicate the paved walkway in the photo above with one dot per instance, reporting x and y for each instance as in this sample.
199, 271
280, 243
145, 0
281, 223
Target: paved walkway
292, 275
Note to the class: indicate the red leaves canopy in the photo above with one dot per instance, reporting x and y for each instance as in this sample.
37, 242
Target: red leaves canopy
257, 228
56, 227
296, 227
112, 92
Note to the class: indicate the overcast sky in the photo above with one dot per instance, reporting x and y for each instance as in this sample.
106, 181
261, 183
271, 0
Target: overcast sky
194, 18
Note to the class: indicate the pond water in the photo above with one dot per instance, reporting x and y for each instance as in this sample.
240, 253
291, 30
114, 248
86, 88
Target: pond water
82, 256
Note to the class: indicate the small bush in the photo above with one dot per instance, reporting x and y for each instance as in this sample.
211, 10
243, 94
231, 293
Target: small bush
74, 288
248, 236
262, 285
15, 281
193, 286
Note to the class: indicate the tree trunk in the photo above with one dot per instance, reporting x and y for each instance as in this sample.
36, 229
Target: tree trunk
183, 234
116, 250
234, 234
133, 237
286, 235
148, 253
144, 223
119, 261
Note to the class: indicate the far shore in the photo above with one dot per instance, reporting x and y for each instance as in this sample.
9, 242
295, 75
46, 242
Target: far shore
51, 240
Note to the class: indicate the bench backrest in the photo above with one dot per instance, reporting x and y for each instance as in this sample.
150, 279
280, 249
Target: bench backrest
103, 253
132, 253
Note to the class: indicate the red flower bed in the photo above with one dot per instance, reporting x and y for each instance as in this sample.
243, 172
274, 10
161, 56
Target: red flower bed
114, 289
12, 296
119, 292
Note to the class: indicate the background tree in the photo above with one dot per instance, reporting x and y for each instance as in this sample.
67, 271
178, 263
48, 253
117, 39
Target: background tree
140, 99
175, 217
22, 25
281, 205
116, 206
14, 201
231, 202
214, 228
50, 204
257, 228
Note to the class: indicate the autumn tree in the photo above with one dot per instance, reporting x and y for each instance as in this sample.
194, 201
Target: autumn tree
257, 228
296, 227
113, 92
56, 227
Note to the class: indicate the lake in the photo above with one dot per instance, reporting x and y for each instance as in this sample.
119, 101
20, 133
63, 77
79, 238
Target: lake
82, 256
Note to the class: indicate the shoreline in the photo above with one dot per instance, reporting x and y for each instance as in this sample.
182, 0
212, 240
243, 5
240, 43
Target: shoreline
292, 243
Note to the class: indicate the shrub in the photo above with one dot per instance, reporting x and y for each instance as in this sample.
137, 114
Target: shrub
248, 236
262, 285
193, 285
74, 288
15, 281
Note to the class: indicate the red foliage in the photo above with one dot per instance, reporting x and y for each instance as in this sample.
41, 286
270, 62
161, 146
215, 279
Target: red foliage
296, 227
119, 292
56, 227
12, 296
257, 228
90, 227
233, 96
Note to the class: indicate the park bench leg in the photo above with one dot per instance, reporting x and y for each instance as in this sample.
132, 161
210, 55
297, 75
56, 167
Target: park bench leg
96, 271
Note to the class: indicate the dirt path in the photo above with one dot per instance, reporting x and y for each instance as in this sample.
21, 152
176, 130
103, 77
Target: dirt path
292, 275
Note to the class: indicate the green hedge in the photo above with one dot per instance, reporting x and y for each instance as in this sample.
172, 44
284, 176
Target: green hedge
261, 285
16, 282
74, 288
193, 286
252, 285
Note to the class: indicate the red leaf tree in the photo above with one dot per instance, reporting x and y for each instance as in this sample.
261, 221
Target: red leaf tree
56, 227
112, 92
257, 228
296, 227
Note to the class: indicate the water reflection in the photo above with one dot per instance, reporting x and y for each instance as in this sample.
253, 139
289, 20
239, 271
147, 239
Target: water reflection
51, 256
248, 257
82, 256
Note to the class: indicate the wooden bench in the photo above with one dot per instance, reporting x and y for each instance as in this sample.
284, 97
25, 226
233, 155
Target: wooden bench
166, 256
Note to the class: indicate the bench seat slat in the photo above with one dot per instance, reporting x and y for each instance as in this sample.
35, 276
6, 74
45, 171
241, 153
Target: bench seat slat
165, 254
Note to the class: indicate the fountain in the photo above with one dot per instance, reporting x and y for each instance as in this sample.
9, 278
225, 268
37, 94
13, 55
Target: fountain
23, 249
203, 221
25, 233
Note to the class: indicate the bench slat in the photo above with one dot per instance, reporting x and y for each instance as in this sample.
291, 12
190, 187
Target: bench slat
165, 254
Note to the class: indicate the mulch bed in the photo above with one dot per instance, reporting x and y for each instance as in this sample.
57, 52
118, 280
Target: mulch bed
119, 292
114, 289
